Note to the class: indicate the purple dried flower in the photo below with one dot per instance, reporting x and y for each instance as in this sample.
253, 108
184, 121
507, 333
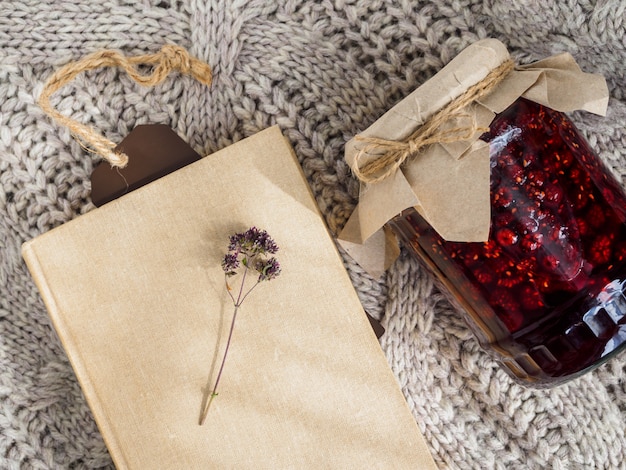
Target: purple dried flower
268, 269
252, 242
264, 242
230, 263
247, 249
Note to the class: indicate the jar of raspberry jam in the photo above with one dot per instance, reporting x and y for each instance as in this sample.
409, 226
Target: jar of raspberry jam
546, 291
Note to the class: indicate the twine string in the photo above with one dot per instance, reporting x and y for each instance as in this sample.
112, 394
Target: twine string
169, 58
395, 153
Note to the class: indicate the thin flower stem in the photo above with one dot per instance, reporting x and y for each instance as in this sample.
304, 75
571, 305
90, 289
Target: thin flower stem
243, 282
228, 290
248, 293
219, 374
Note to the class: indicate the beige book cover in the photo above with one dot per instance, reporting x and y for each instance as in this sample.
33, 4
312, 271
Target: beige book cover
136, 294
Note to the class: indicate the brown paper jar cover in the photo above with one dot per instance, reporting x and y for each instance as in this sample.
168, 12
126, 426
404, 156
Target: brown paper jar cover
544, 291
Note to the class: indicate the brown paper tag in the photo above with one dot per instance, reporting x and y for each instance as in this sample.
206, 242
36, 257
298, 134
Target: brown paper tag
154, 150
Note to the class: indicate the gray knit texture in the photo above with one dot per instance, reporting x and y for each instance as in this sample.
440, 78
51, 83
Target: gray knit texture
323, 71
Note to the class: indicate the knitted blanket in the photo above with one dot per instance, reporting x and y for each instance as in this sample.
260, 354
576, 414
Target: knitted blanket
323, 71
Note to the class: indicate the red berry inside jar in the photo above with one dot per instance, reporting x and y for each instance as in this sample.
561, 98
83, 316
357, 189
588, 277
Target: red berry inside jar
546, 291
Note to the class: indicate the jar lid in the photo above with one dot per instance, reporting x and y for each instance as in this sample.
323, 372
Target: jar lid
468, 68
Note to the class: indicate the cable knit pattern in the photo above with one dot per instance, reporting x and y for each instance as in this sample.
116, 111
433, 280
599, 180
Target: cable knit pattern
323, 71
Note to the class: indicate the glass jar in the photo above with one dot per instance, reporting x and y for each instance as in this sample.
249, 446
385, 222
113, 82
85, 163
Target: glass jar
545, 293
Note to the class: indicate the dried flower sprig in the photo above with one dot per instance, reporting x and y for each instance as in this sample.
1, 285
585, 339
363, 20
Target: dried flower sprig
248, 250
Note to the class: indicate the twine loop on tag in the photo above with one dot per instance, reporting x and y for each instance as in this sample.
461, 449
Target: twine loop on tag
176, 58
170, 58
395, 153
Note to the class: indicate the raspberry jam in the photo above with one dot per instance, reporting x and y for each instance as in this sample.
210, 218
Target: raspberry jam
545, 293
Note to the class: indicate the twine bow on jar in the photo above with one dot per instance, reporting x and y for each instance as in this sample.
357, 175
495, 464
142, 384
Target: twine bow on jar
170, 58
391, 154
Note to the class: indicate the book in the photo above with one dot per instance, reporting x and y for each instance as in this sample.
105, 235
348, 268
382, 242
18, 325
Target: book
135, 291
